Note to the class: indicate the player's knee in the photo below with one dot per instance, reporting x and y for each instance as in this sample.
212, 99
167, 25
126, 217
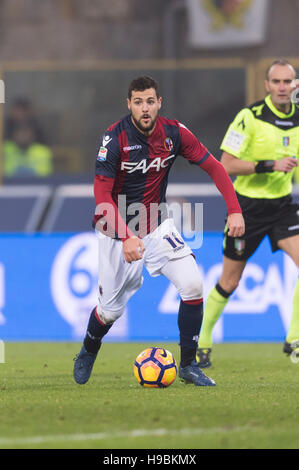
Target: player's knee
108, 317
192, 290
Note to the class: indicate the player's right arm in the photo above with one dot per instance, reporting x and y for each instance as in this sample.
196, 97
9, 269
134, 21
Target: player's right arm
236, 149
196, 152
109, 219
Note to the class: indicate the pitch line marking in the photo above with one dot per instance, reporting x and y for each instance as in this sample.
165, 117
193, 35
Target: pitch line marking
125, 434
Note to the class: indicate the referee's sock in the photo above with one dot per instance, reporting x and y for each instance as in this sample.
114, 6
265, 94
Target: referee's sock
293, 332
96, 330
214, 306
189, 322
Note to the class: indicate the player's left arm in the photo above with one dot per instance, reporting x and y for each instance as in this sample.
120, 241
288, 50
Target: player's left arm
197, 153
216, 171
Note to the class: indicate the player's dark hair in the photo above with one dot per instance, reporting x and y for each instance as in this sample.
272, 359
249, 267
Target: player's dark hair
278, 62
143, 83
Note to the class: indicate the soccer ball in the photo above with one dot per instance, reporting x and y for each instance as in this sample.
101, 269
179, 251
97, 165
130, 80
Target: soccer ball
155, 367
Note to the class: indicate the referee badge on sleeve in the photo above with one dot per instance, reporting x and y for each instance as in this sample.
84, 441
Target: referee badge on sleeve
234, 140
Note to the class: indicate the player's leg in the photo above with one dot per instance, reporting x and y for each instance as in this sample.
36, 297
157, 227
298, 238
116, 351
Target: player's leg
118, 281
166, 253
185, 276
84, 361
291, 246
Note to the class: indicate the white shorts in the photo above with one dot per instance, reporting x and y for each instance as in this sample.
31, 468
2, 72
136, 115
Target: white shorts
119, 280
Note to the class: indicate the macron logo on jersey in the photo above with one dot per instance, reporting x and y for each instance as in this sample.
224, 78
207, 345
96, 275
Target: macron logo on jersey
102, 155
106, 140
142, 166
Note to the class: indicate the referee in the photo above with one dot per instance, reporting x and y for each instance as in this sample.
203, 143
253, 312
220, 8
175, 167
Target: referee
261, 148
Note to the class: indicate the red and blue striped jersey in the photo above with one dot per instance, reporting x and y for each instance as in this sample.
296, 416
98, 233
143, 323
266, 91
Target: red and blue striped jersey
137, 166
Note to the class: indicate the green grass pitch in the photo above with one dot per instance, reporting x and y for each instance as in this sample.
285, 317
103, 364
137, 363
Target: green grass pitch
254, 405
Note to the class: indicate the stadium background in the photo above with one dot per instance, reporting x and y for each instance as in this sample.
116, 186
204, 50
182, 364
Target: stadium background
73, 61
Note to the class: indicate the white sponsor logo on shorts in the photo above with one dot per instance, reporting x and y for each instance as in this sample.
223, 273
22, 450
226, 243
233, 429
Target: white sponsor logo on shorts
294, 227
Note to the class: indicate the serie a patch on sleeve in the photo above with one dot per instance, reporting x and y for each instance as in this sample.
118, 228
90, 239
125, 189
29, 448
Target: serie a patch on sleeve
234, 140
102, 155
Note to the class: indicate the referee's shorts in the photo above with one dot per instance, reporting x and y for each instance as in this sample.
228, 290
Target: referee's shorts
277, 218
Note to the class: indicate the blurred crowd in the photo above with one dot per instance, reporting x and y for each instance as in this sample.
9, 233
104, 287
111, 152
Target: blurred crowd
25, 150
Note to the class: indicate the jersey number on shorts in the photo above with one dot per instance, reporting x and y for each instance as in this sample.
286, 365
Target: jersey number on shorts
174, 240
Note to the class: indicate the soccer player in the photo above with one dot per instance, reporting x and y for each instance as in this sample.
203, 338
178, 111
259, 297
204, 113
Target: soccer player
261, 147
132, 167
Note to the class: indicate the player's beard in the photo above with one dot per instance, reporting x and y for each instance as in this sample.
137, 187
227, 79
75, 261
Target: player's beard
145, 129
